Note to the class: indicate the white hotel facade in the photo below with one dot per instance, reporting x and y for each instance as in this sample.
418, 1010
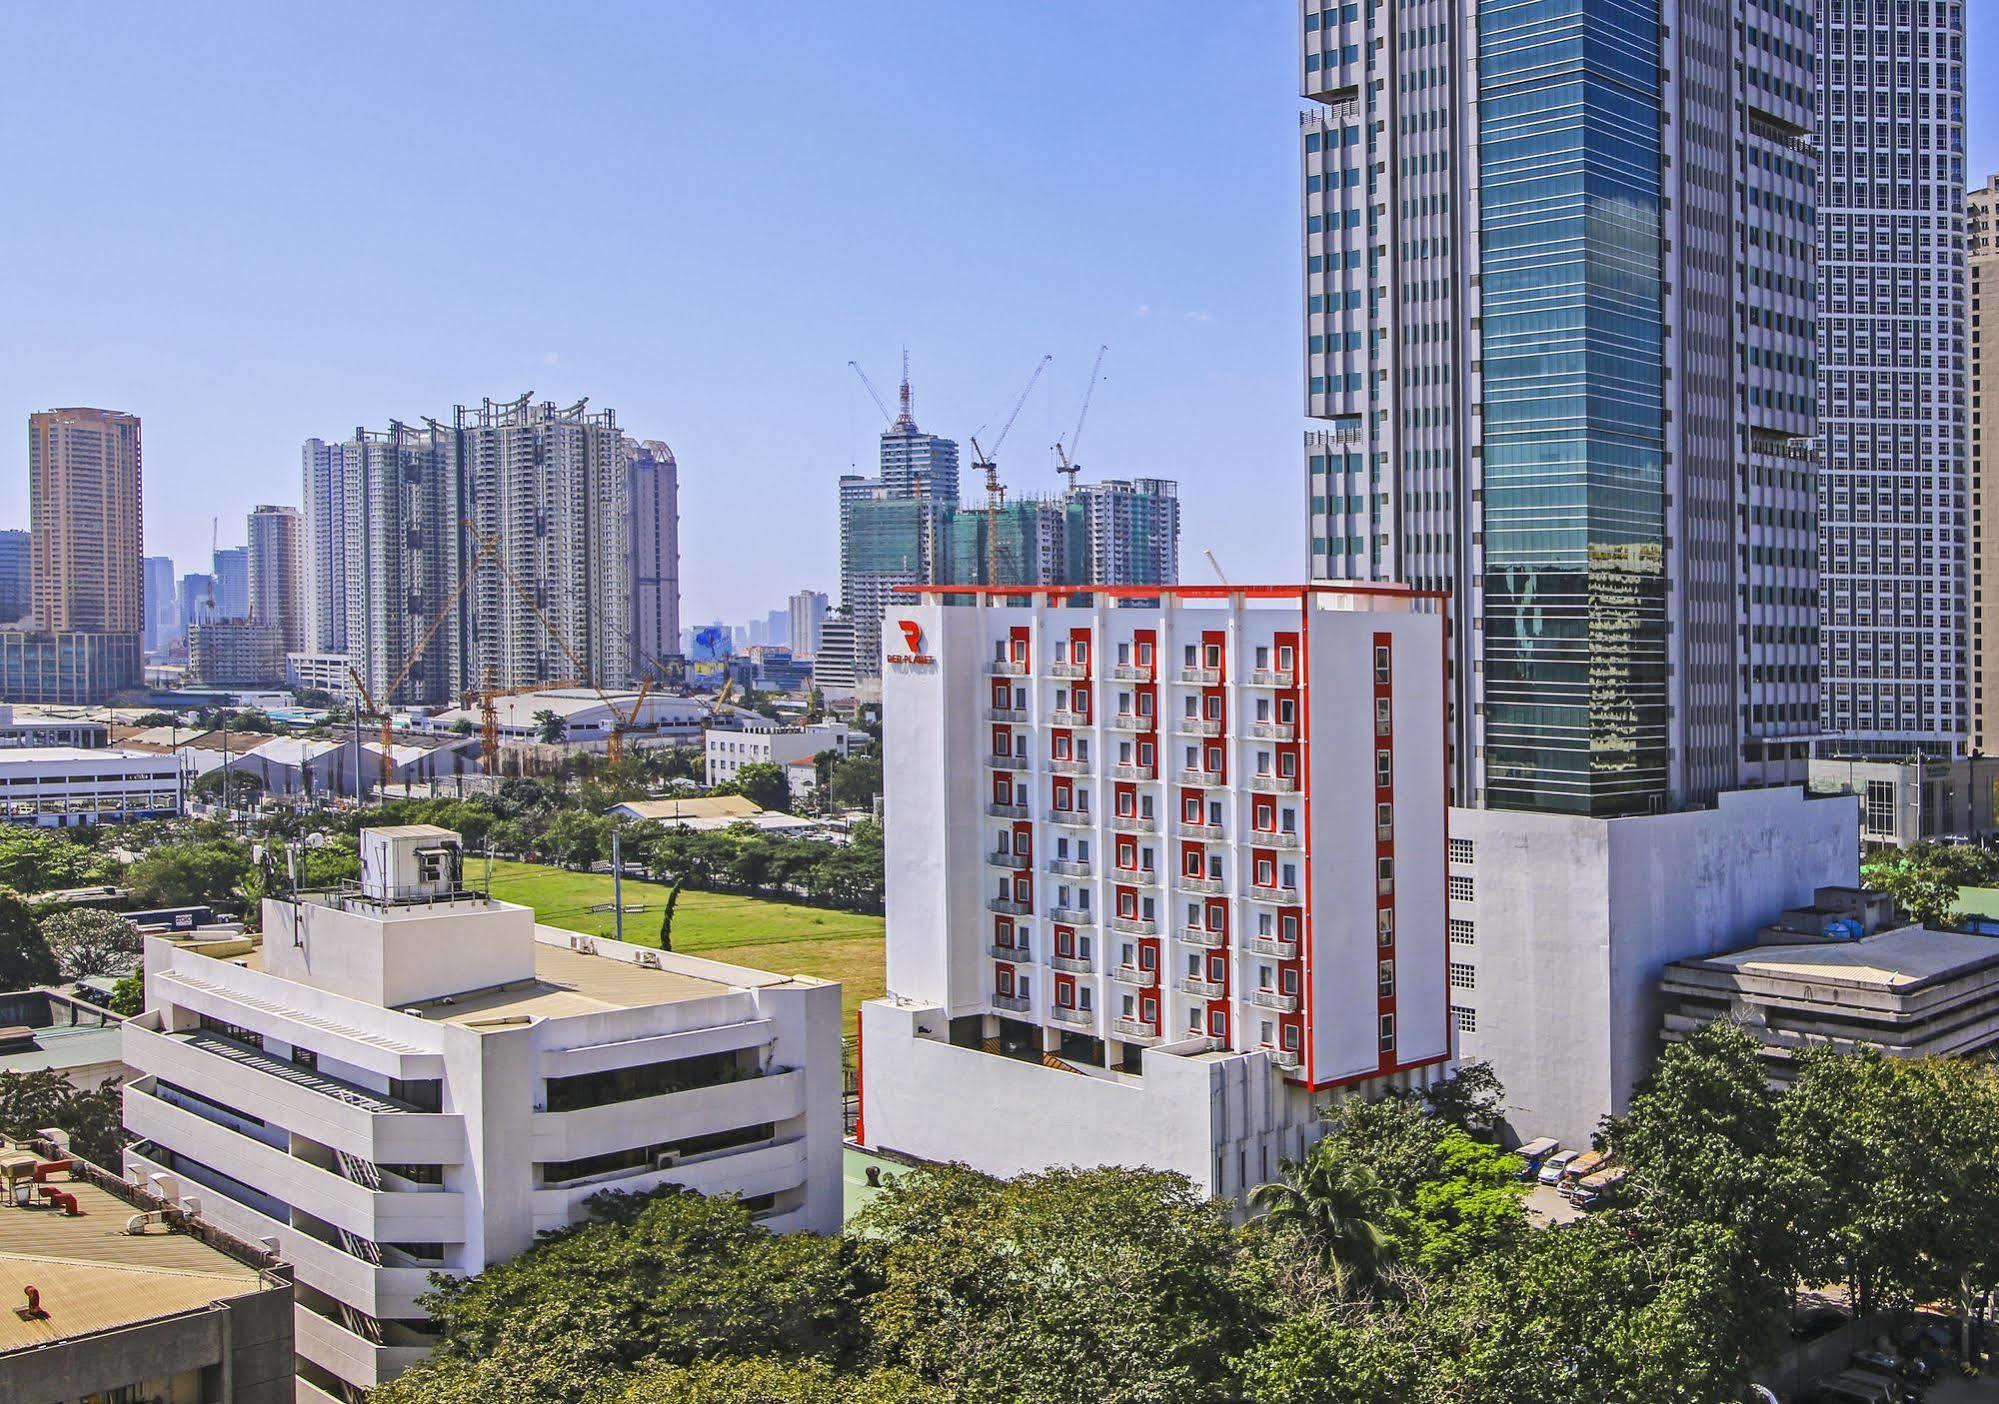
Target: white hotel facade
412, 1078
1168, 873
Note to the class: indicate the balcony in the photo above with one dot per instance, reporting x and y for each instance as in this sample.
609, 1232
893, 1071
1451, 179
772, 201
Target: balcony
1135, 926
1273, 677
1136, 976
1071, 916
1135, 1031
1284, 1058
1018, 955
1072, 965
1192, 882
1007, 762
1013, 1004
1006, 668
1079, 1018
1007, 906
1126, 771
1134, 721
1007, 811
1282, 896
1068, 765
1131, 672
1016, 715
1202, 677
1196, 830
1200, 726
1274, 784
333, 1347
1068, 670
1278, 838
1134, 824
1273, 731
1194, 775
1068, 867
1200, 936
1007, 858
1274, 948
1068, 717
1202, 989
1070, 818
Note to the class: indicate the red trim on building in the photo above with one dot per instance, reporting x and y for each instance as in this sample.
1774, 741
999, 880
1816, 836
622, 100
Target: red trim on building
1181, 592
860, 1087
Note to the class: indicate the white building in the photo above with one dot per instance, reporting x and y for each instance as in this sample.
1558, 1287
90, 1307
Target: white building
323, 672
587, 717
756, 741
412, 1078
1188, 845
61, 786
807, 619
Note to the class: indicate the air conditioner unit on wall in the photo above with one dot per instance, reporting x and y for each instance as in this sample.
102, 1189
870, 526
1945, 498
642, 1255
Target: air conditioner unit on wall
666, 1160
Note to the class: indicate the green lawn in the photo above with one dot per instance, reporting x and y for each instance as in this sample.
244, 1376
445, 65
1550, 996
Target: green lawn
777, 936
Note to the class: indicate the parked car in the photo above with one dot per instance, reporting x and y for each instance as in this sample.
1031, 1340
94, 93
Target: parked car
1533, 1153
1554, 1165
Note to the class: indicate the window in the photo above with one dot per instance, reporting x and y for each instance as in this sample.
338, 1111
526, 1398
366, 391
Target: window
1463, 977
1291, 1038
1384, 720
1384, 873
1384, 925
1464, 1020
1460, 850
1878, 812
1384, 769
1218, 1023
641, 1080
1459, 887
1381, 663
1386, 978
306, 1058
1384, 820
1462, 933
236, 1033
1388, 1033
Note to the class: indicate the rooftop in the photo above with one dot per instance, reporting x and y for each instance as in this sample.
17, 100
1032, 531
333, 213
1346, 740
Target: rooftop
706, 807
62, 1047
569, 982
1895, 960
93, 1276
42, 755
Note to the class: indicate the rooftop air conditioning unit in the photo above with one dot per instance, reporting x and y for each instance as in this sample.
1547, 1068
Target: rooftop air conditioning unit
649, 959
581, 943
665, 1160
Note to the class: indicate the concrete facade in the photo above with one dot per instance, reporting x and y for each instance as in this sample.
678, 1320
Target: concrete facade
654, 493
60, 786
1561, 928
1913, 801
728, 750
86, 509
277, 572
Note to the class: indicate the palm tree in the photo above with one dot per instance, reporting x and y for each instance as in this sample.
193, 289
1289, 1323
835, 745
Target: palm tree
1331, 1205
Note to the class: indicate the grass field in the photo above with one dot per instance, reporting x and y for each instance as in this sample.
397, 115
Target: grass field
778, 936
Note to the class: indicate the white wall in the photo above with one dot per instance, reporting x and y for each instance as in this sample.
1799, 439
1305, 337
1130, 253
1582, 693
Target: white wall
1575, 920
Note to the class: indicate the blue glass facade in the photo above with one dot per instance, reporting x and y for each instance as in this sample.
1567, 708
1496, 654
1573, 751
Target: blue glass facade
1573, 404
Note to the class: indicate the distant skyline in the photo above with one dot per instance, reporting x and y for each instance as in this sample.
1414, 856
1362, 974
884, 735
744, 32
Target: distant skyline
280, 224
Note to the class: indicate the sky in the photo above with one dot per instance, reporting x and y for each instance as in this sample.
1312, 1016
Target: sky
256, 224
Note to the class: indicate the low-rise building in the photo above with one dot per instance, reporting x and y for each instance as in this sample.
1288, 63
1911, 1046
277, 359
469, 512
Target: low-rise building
124, 1292
63, 786
236, 653
52, 726
755, 740
321, 672
408, 1077
587, 716
1917, 800
47, 1031
74, 667
1837, 973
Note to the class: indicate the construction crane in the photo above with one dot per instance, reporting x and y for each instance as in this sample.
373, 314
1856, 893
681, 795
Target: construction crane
996, 490
369, 708
1066, 457
621, 721
873, 393
489, 715
905, 420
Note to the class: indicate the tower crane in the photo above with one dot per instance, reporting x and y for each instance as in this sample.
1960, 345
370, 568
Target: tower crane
996, 490
1066, 458
905, 420
873, 394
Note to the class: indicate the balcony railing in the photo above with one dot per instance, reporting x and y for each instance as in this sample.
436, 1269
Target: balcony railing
1068, 670
1273, 677
1274, 948
1190, 882
1135, 1030
1274, 784
1063, 716
1068, 765
1081, 1018
1072, 965
1274, 999
1200, 936
1202, 989
1134, 823
1136, 976
1006, 714
1135, 926
1018, 1004
1273, 731
1068, 867
1071, 916
1131, 672
1007, 858
1265, 892
1006, 906
1194, 775
1196, 830
1007, 811
1019, 955
1200, 726
1074, 818
1283, 1057
1134, 721
1128, 771
1007, 762
1006, 668
1202, 677
1277, 838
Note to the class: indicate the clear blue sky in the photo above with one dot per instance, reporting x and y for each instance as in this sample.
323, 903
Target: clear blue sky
254, 224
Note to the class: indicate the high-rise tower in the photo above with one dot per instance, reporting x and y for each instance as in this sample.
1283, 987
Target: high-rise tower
1982, 235
654, 492
277, 572
1892, 375
85, 510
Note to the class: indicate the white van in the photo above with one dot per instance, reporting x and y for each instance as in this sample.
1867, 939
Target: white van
1554, 1165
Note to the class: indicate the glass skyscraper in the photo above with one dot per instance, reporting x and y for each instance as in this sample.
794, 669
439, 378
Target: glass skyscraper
1559, 295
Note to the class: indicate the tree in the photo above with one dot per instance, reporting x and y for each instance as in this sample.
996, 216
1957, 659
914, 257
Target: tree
764, 785
209, 873
1924, 878
771, 1382
128, 996
1471, 1098
857, 782
37, 860
666, 913
1002, 1290
85, 941
1334, 1208
648, 1282
25, 958
245, 787
36, 1101
548, 727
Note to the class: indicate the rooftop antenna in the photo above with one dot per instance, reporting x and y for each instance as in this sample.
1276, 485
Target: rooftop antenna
908, 419
1216, 567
